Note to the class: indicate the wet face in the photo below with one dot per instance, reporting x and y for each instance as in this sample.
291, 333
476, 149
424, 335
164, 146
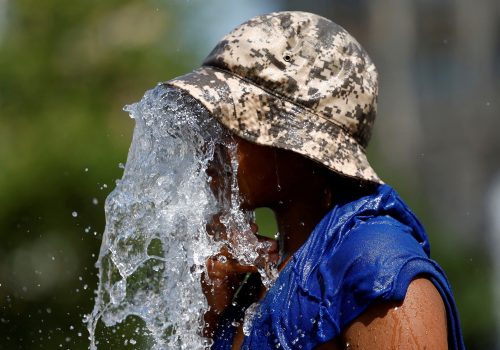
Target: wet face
266, 176
258, 186
227, 269
257, 174
220, 173
269, 177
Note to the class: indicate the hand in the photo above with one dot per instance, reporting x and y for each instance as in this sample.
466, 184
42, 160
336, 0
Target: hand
225, 274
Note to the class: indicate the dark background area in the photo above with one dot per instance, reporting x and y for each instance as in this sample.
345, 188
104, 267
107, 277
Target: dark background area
68, 68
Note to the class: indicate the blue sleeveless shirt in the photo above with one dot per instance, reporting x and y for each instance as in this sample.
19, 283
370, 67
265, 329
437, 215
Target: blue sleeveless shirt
365, 250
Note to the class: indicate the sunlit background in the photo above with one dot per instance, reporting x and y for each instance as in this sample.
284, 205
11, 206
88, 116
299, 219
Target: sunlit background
68, 67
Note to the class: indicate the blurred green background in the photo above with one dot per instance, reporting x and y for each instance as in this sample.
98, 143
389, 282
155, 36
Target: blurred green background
68, 68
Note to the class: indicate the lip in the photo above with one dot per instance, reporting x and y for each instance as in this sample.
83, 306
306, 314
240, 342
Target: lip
273, 249
271, 254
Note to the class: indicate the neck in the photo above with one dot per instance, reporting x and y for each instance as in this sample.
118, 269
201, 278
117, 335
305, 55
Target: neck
297, 217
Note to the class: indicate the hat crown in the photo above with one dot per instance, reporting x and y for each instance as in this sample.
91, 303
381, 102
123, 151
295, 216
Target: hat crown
307, 60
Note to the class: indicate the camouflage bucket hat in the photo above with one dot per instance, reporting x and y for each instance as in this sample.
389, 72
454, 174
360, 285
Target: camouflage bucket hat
296, 81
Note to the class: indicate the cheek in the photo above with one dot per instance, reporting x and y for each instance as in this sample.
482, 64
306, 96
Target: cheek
246, 189
257, 184
257, 177
220, 183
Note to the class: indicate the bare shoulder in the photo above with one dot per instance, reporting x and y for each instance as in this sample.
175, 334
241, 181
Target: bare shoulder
419, 322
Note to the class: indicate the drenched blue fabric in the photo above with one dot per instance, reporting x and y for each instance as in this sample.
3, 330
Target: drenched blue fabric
368, 249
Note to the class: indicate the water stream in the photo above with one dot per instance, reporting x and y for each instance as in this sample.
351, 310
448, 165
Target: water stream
155, 242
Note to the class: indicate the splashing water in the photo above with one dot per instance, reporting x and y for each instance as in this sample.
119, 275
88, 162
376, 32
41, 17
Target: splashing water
155, 243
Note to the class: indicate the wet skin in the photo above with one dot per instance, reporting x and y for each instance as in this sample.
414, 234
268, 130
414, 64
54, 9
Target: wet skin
301, 192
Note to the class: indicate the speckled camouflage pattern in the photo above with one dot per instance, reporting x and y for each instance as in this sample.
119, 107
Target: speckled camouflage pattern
293, 80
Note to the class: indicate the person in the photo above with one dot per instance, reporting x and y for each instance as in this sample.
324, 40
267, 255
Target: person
299, 95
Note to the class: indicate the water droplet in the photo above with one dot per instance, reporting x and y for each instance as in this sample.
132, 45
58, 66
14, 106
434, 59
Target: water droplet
118, 291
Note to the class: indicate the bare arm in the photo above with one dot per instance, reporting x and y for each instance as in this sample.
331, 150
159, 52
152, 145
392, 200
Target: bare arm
419, 322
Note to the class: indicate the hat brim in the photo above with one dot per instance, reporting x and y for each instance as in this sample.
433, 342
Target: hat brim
262, 117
